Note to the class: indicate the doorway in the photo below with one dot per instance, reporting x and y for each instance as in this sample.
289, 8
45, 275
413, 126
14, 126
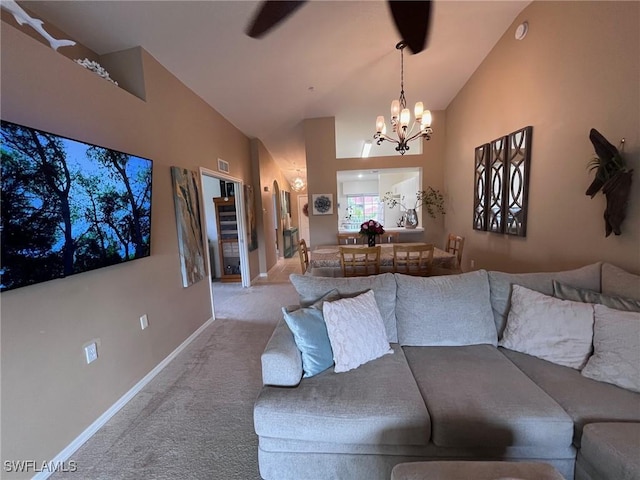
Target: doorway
212, 184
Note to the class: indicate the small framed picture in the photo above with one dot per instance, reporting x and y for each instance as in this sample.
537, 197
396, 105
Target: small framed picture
322, 203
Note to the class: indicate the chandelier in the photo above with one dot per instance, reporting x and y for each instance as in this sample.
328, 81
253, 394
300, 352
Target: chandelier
401, 117
298, 184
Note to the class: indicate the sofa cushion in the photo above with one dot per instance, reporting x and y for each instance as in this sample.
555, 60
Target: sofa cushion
356, 331
585, 400
446, 310
610, 451
378, 403
457, 470
560, 331
616, 348
567, 292
501, 282
477, 398
616, 281
310, 288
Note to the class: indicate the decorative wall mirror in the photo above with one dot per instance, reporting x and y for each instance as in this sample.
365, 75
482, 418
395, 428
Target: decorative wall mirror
502, 184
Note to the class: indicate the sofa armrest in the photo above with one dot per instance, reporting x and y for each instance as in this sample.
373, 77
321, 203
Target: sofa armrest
281, 359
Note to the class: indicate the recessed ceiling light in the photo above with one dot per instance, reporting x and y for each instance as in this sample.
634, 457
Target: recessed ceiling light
366, 149
521, 30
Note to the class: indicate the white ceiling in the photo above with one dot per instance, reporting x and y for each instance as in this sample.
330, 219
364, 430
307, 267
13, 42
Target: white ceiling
331, 58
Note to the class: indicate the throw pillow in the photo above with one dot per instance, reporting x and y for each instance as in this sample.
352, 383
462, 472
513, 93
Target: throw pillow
567, 292
501, 283
448, 310
559, 331
356, 331
310, 334
616, 345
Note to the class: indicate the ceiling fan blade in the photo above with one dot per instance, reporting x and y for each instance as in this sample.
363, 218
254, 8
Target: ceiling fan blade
271, 13
412, 20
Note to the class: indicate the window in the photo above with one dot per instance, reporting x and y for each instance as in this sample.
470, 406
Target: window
364, 207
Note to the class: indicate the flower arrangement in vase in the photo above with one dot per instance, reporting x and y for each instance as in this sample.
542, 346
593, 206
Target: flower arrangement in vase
431, 199
371, 228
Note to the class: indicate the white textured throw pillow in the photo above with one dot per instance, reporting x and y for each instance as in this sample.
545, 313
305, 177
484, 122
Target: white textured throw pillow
560, 331
356, 331
616, 348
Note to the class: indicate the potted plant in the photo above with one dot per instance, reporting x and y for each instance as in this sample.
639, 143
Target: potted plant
431, 199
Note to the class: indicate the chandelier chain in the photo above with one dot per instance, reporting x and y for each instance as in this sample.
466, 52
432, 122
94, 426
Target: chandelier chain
403, 100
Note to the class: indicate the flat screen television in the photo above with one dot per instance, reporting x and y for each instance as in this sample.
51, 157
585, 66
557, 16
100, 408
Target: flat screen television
68, 206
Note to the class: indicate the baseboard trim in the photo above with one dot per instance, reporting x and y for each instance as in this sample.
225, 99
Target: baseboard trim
70, 449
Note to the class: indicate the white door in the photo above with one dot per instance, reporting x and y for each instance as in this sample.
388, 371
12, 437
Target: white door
303, 220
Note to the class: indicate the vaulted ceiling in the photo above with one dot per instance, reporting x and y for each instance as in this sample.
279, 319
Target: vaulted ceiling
331, 58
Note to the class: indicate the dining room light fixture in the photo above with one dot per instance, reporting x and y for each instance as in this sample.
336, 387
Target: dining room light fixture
298, 184
401, 117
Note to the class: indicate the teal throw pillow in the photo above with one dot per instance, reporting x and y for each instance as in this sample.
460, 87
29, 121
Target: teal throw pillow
567, 292
310, 334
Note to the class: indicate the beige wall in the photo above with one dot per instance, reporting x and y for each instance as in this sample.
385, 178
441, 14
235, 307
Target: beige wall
322, 166
577, 69
49, 394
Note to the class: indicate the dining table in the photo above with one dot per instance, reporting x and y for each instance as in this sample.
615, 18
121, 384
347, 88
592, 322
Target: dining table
328, 256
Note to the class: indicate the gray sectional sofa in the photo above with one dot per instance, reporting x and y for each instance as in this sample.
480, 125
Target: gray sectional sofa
447, 393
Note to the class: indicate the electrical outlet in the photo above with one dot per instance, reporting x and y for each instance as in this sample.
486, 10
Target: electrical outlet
144, 321
473, 264
91, 352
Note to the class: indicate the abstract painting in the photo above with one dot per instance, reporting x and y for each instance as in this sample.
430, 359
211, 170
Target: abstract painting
252, 229
186, 198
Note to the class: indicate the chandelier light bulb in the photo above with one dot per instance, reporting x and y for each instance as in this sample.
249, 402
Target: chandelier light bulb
380, 124
418, 110
405, 118
426, 119
395, 109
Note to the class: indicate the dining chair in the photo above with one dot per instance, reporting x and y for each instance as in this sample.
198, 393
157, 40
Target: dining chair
413, 259
360, 261
455, 245
303, 251
389, 237
349, 239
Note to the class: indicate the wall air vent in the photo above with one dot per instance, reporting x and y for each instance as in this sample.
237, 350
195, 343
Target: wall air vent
223, 166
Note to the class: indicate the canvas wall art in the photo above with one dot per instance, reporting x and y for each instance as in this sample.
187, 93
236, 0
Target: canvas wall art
250, 206
187, 204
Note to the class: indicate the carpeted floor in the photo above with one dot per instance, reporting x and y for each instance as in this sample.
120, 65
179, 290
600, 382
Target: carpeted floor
194, 419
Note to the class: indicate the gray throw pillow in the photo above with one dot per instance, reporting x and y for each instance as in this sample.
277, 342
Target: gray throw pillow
616, 348
567, 292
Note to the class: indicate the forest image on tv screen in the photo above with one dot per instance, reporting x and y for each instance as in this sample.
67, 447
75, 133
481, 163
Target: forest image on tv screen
68, 207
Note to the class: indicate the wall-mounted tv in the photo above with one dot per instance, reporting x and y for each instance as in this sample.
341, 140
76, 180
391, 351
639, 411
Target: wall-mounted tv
68, 206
